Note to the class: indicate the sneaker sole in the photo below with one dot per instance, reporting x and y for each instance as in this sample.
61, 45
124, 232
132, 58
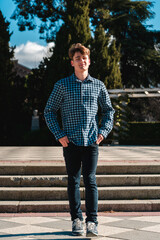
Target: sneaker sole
91, 235
78, 234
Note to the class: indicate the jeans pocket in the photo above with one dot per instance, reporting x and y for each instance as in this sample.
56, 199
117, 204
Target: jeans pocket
94, 144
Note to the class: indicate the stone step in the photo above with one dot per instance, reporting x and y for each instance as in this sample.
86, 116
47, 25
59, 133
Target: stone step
63, 206
33, 179
58, 169
61, 180
60, 193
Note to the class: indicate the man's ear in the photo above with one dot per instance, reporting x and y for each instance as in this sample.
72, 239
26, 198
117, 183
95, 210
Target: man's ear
72, 64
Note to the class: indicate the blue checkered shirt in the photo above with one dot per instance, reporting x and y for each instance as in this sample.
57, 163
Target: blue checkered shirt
78, 101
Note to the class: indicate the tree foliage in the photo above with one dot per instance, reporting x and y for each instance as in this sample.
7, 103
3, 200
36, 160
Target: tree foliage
68, 21
126, 22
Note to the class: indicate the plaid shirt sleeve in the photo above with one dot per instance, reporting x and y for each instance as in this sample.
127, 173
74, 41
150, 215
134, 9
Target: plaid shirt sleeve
107, 112
50, 112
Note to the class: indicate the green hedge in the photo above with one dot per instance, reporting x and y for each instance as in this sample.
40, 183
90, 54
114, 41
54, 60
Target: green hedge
142, 133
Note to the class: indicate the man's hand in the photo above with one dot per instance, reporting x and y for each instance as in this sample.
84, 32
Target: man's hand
64, 141
100, 138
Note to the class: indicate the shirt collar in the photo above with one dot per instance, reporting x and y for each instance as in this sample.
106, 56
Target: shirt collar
88, 78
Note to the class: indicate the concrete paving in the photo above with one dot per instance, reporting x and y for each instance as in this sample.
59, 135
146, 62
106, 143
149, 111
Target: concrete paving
106, 154
50, 226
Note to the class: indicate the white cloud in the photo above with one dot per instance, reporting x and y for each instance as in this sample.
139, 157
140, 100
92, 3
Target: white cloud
31, 53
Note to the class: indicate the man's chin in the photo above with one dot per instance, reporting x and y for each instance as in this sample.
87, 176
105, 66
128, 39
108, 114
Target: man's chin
83, 68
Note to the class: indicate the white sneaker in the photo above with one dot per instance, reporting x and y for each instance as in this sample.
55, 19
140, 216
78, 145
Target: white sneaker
77, 227
91, 229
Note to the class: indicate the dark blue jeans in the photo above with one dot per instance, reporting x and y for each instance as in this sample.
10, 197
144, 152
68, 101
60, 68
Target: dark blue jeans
87, 158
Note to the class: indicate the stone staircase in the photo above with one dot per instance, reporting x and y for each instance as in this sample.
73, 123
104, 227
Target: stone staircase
42, 186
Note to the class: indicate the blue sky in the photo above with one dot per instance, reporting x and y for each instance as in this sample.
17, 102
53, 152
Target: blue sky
7, 7
29, 40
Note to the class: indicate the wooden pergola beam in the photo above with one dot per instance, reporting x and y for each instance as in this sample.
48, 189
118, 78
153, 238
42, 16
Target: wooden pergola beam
135, 90
135, 93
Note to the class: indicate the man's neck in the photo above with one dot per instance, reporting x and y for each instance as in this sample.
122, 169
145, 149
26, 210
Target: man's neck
81, 76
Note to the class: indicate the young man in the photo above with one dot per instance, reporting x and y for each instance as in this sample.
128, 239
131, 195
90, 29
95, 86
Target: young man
78, 97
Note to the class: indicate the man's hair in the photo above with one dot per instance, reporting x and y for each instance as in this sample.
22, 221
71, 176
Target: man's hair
78, 47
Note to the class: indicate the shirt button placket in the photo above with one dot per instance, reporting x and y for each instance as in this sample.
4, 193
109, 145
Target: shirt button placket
82, 87
81, 93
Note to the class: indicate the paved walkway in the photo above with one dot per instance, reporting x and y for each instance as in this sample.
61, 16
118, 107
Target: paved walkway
51, 226
106, 154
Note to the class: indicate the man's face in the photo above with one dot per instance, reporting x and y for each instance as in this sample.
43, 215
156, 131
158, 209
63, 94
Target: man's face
80, 62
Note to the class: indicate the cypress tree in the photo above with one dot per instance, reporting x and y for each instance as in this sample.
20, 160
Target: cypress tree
113, 79
74, 29
14, 118
99, 54
6, 53
77, 21
106, 59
